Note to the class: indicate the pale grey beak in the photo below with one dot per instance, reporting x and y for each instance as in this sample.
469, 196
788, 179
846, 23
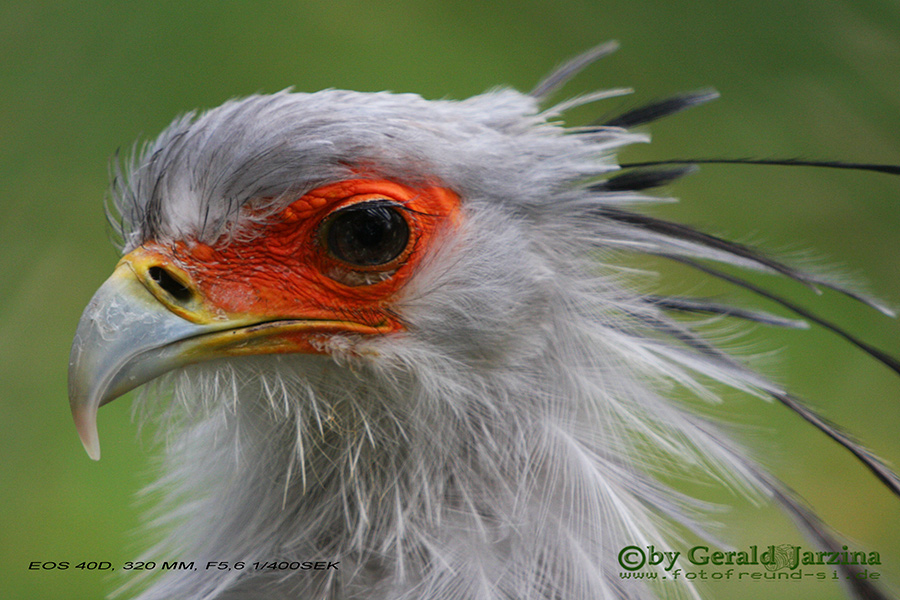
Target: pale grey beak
126, 337
133, 331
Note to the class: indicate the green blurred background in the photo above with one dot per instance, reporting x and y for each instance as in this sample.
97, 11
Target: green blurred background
807, 78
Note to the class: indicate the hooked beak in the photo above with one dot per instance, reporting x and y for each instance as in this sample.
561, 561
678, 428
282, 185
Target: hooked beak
126, 337
132, 331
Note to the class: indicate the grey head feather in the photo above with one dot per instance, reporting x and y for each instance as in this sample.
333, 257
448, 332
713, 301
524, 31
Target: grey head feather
505, 445
198, 173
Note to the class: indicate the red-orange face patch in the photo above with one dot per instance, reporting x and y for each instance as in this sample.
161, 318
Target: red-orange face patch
286, 270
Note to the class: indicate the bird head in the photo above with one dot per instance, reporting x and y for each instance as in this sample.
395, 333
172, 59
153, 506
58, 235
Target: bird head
333, 224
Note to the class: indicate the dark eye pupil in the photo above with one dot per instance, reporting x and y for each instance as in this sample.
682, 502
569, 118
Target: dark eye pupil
367, 236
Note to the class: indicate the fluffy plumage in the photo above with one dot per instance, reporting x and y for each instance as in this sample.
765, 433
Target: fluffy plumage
503, 446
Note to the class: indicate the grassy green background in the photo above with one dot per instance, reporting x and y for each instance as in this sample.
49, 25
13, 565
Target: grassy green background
811, 78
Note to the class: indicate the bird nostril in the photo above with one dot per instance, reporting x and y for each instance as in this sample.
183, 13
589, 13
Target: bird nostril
167, 282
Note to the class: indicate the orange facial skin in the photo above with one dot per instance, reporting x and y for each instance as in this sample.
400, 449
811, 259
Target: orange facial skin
283, 273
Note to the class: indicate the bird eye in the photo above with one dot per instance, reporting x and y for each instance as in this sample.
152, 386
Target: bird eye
367, 235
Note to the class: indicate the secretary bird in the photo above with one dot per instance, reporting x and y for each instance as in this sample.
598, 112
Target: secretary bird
403, 338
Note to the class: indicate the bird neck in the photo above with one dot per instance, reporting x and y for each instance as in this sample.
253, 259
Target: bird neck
387, 469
